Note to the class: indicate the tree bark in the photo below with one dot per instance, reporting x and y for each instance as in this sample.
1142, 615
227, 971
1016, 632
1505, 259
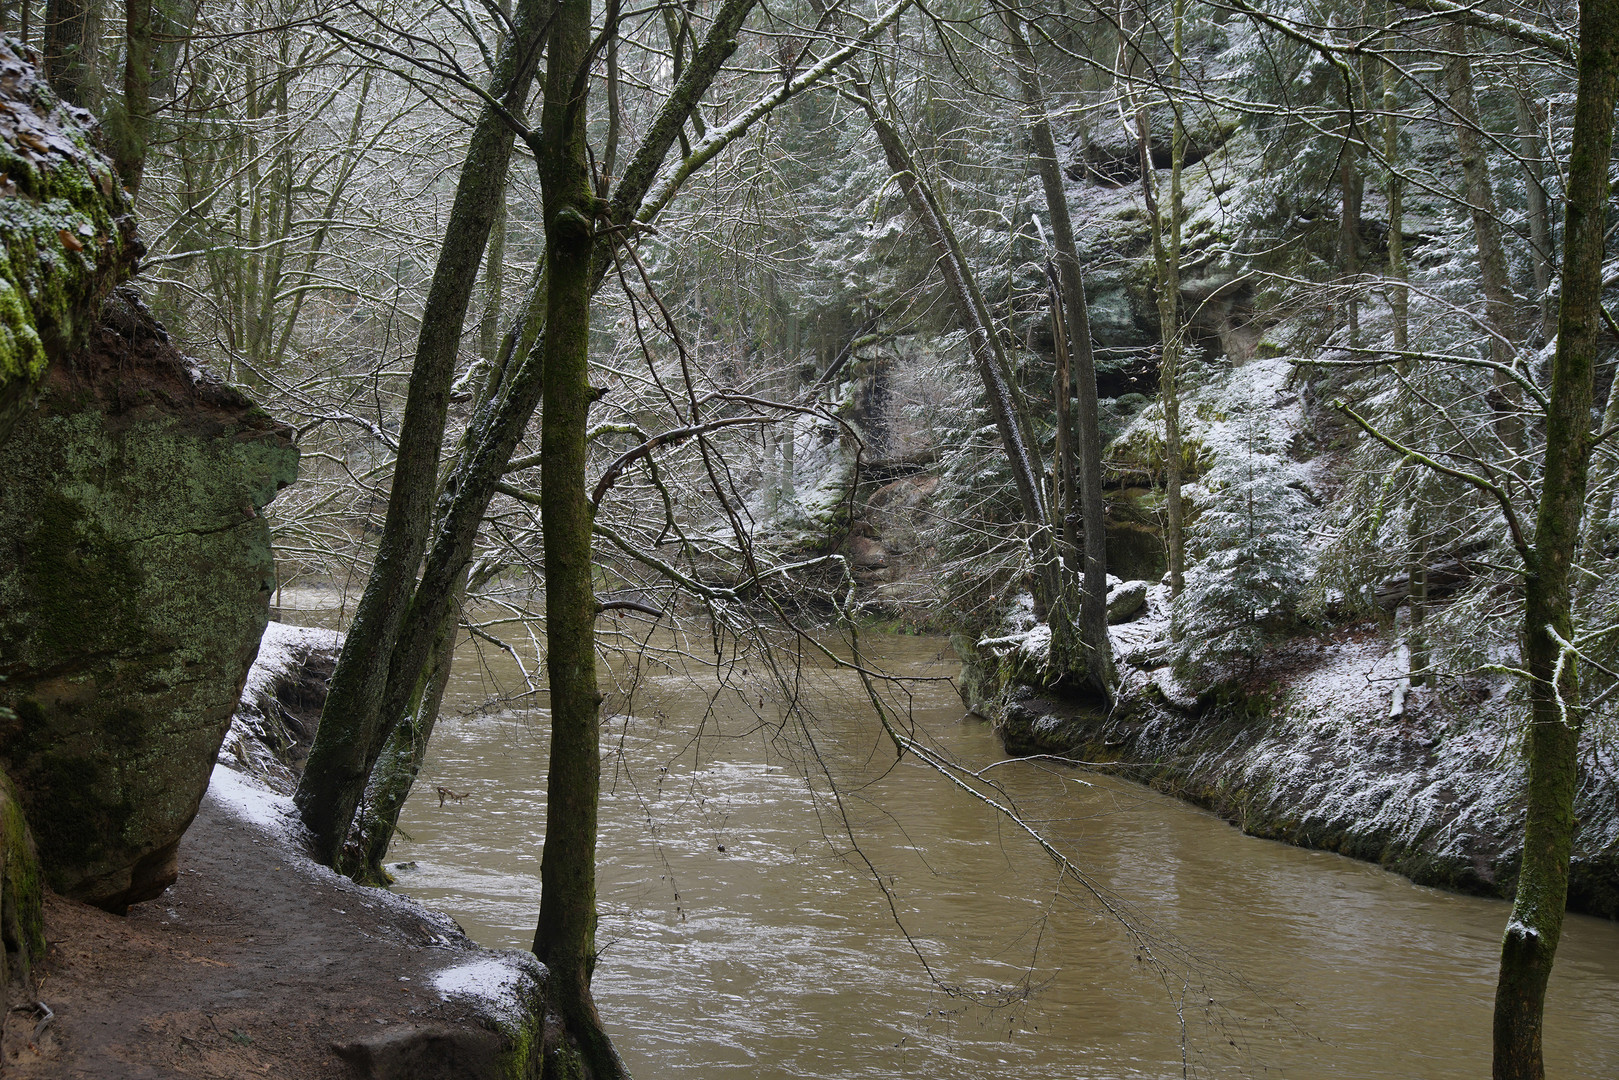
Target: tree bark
1543, 254
1552, 742
1093, 633
68, 57
353, 727
1166, 251
133, 133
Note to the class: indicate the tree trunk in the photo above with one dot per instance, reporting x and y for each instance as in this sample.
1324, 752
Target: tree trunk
1399, 292
513, 392
1352, 184
1498, 314
494, 281
67, 49
353, 728
1093, 633
133, 131
1542, 253
565, 937
1552, 741
401, 760
1166, 251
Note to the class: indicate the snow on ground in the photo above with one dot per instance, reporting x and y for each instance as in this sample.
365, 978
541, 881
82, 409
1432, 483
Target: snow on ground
253, 802
248, 799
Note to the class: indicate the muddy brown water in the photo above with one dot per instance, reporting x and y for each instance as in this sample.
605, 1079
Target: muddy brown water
744, 930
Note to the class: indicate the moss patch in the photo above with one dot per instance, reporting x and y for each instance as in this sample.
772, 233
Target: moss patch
68, 231
135, 575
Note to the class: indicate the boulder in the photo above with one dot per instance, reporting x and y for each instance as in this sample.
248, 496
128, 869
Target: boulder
1125, 600
275, 723
68, 231
135, 580
867, 553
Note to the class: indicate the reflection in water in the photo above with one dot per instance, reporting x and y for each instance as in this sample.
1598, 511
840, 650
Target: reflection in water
751, 922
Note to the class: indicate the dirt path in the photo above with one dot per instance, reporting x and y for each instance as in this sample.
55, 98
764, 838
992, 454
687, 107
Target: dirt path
258, 963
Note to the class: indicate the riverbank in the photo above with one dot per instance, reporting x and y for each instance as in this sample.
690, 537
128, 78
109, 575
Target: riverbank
1322, 746
257, 962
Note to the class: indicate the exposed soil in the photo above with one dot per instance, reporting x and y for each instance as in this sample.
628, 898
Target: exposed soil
254, 963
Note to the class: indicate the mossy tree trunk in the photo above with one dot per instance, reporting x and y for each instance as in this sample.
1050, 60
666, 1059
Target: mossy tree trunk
353, 725
565, 937
1552, 741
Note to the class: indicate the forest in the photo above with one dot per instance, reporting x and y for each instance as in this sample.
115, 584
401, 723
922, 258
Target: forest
1162, 355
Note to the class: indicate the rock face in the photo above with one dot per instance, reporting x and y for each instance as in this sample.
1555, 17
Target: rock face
22, 933
135, 577
69, 235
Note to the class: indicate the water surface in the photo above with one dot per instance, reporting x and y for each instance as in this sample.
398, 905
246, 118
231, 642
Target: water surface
875, 921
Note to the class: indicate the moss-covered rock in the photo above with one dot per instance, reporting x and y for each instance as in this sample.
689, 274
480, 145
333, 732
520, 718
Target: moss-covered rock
22, 894
66, 223
135, 577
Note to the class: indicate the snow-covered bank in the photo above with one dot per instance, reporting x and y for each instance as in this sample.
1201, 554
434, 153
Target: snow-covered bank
1311, 752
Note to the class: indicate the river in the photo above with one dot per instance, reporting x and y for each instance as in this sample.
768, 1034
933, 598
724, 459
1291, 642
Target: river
875, 921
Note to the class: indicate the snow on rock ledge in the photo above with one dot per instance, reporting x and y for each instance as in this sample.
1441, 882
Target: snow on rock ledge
275, 722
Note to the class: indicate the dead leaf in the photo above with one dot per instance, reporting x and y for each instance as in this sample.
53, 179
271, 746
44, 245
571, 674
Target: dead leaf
69, 241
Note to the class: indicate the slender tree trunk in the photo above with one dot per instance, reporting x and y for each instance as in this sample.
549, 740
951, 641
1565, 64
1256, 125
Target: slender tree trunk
565, 937
1416, 636
1543, 254
1166, 250
512, 393
401, 760
1552, 741
134, 129
494, 279
1352, 184
1399, 292
993, 370
1399, 306
402, 757
353, 728
1498, 314
1093, 632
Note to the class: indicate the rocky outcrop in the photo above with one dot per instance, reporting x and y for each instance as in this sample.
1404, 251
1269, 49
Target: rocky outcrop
274, 725
135, 577
22, 933
66, 223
